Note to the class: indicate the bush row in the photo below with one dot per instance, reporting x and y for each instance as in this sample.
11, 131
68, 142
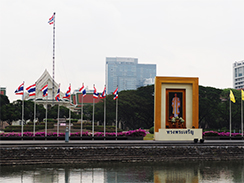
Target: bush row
40, 123
26, 128
97, 128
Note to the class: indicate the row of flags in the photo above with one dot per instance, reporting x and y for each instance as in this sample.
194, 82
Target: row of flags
232, 97
32, 92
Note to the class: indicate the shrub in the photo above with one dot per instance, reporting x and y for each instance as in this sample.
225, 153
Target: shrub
136, 133
97, 128
26, 128
210, 133
151, 130
72, 120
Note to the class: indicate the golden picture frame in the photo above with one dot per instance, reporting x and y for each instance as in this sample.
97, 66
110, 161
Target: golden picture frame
170, 112
166, 85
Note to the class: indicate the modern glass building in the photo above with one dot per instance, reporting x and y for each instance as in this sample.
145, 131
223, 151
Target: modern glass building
238, 75
127, 74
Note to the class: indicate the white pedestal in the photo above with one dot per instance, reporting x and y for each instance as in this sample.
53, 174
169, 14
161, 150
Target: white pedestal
178, 134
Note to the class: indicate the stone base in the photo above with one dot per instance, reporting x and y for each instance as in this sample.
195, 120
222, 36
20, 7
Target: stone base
178, 134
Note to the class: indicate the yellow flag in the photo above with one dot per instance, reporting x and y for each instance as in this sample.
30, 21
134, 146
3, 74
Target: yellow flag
232, 98
242, 94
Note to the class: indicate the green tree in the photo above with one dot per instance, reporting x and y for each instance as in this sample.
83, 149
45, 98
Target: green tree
135, 108
3, 102
63, 112
235, 109
209, 111
13, 111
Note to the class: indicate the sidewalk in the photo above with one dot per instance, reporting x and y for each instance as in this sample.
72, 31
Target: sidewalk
116, 142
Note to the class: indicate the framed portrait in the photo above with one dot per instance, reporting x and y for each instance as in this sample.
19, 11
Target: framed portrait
189, 88
175, 104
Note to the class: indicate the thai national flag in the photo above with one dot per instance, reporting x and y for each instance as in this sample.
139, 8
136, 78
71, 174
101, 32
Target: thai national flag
68, 93
20, 90
57, 98
116, 95
44, 90
83, 90
103, 95
95, 94
51, 20
32, 90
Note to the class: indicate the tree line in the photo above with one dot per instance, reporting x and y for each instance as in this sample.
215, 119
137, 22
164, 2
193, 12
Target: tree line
136, 109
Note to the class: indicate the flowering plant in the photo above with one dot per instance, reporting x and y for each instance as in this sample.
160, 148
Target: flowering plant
223, 134
174, 119
182, 120
132, 133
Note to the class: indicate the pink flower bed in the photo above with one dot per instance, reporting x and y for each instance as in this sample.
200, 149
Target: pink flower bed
131, 133
214, 133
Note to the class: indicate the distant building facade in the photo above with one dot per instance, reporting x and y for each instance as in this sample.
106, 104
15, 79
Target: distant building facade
75, 96
2, 90
238, 75
127, 74
40, 83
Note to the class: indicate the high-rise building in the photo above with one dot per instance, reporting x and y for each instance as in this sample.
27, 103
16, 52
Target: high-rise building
238, 74
127, 74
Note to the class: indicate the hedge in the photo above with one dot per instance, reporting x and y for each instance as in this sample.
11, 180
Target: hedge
26, 128
97, 128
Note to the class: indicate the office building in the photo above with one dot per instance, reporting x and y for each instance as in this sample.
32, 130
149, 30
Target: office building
127, 74
238, 75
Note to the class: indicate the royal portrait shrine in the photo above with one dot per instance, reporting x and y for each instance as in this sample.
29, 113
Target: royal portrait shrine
176, 108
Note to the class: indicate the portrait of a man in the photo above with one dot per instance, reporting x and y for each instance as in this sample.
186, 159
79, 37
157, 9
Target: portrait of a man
175, 104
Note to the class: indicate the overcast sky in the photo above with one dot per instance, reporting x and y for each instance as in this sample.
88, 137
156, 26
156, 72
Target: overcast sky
190, 38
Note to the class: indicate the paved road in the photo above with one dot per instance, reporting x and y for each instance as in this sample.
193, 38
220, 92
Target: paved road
5, 143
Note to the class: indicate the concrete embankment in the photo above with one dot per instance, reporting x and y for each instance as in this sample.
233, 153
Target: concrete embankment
53, 152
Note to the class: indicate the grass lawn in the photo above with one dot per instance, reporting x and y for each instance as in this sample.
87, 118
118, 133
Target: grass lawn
149, 137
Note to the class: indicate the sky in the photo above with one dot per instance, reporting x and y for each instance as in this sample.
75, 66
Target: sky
185, 38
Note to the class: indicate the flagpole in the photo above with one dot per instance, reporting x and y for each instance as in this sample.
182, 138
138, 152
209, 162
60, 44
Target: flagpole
46, 115
93, 116
46, 121
116, 117
53, 51
58, 121
69, 113
69, 119
81, 108
105, 114
230, 118
117, 114
58, 98
242, 113
34, 125
22, 124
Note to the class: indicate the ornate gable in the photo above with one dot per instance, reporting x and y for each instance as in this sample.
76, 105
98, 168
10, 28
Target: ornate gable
41, 82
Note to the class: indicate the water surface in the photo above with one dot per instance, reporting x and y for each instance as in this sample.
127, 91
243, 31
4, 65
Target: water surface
165, 172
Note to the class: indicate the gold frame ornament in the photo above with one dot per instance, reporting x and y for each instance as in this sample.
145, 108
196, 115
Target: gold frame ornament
176, 81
